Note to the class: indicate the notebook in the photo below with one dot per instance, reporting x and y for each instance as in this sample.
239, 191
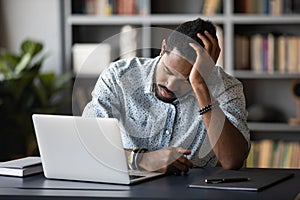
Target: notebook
21, 167
84, 149
257, 179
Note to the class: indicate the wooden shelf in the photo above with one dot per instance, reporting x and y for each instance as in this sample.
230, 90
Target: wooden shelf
273, 127
265, 19
248, 74
274, 131
80, 19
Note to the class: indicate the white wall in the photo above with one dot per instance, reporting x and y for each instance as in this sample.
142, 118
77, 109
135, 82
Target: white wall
36, 19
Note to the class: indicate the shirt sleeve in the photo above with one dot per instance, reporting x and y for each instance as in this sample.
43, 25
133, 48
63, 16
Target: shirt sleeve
232, 102
105, 96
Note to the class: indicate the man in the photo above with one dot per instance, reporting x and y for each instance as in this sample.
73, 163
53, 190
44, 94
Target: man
178, 109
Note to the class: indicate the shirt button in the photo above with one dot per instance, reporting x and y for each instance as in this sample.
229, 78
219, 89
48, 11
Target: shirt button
167, 132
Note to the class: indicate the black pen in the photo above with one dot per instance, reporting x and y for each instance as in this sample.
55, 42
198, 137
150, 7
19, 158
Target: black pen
226, 180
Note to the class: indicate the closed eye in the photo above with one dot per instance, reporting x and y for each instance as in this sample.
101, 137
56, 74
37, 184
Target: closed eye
168, 70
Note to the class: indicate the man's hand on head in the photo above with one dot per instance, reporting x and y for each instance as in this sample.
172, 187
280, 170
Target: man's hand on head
205, 60
211, 45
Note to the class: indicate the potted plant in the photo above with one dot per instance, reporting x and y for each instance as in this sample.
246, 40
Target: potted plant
25, 90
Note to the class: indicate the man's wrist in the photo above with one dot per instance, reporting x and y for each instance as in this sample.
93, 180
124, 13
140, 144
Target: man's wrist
135, 158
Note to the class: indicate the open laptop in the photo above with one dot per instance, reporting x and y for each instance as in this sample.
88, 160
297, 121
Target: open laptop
84, 149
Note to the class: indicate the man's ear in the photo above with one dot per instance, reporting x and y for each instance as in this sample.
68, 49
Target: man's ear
163, 47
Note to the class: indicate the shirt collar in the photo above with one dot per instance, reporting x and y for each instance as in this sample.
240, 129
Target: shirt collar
149, 88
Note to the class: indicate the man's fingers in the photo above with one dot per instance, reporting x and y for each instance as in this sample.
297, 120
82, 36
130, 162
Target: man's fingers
211, 45
207, 43
183, 151
181, 166
211, 39
197, 48
172, 170
182, 159
176, 168
215, 48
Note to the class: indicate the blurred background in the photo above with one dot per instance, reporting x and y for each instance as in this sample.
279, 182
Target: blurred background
37, 19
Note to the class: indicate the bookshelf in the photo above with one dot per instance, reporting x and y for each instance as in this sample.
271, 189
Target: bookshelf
235, 19
267, 80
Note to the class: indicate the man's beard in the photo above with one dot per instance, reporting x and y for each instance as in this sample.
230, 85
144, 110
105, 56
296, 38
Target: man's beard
162, 98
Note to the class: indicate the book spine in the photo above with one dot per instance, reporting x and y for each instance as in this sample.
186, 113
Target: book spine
268, 153
267, 53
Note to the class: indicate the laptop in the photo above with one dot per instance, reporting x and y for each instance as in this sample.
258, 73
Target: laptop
84, 149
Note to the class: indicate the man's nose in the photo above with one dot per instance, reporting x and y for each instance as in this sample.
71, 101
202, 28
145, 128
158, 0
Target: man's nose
172, 84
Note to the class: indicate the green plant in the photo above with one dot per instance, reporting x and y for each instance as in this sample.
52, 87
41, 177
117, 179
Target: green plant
25, 90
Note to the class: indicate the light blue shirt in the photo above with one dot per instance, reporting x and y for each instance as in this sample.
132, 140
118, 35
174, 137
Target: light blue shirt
124, 91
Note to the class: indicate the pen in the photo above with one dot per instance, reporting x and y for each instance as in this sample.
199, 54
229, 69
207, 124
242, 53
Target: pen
226, 180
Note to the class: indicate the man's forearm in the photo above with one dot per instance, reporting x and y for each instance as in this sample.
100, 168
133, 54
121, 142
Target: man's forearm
228, 143
230, 146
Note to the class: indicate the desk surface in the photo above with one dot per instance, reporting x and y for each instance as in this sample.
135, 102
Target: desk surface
166, 187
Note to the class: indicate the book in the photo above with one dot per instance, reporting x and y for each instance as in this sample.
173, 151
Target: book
21, 167
241, 49
265, 149
270, 52
269, 153
276, 7
293, 54
282, 54
256, 43
211, 7
143, 7
250, 158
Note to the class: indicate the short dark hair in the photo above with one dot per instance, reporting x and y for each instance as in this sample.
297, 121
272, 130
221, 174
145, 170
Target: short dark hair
186, 33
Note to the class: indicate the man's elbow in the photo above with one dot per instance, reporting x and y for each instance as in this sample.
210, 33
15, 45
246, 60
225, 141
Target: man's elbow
232, 166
